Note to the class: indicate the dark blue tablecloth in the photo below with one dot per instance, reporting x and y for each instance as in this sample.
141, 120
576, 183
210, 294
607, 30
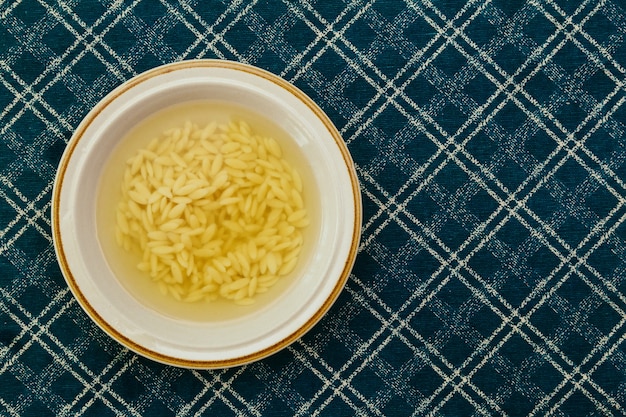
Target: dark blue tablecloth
489, 139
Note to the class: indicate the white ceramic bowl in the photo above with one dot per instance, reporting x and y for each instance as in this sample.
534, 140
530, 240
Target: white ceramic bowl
239, 338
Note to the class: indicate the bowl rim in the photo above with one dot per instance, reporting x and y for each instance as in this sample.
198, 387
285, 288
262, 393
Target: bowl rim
110, 329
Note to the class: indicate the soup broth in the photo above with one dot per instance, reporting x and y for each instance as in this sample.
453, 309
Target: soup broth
124, 263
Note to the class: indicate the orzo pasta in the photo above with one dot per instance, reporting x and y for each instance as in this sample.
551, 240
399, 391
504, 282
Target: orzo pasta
213, 211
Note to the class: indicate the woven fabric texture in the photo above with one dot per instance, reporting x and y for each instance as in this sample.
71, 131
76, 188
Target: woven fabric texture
489, 138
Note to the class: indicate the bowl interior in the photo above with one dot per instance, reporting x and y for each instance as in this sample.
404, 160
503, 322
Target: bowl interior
124, 263
221, 333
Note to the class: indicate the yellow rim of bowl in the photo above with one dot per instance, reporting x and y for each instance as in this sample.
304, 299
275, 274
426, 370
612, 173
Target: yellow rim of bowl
108, 328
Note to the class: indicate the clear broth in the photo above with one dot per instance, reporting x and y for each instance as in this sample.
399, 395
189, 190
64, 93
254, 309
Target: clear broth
124, 264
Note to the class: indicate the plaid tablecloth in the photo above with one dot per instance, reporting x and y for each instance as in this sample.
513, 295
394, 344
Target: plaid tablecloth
490, 141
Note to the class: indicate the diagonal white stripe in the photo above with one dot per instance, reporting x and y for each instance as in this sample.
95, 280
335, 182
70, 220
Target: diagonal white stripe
336, 382
219, 37
105, 381
31, 220
224, 386
296, 62
9, 408
7, 11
